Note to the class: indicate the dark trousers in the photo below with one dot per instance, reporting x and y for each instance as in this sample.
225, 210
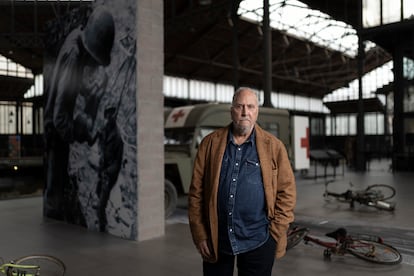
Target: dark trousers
258, 262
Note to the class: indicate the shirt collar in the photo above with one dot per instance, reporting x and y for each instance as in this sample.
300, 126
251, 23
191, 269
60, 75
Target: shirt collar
251, 139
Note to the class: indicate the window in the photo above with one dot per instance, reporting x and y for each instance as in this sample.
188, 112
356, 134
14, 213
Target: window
374, 123
380, 12
13, 123
371, 11
341, 125
317, 127
8, 118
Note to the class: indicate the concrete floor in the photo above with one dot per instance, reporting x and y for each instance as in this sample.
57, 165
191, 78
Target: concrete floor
24, 231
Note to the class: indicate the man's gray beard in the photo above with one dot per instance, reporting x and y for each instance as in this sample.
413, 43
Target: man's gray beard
241, 130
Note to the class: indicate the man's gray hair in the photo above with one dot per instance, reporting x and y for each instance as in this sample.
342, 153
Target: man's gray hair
241, 89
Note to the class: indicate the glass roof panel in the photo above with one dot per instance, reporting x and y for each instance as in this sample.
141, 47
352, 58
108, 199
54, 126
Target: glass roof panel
298, 20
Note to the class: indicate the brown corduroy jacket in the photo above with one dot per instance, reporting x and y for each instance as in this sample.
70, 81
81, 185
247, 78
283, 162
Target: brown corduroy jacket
278, 180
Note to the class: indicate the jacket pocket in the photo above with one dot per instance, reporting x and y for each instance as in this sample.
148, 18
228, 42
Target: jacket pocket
253, 172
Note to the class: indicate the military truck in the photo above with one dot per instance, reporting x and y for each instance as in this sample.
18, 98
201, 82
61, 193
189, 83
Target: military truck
186, 126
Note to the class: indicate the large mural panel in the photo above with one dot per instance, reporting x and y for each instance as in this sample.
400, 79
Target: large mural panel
90, 118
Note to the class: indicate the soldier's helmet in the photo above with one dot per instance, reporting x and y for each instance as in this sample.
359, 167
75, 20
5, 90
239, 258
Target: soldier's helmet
98, 35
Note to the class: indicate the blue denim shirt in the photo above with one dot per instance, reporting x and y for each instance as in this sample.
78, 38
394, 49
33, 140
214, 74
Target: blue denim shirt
243, 223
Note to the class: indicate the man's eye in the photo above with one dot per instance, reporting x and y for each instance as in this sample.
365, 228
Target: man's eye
241, 106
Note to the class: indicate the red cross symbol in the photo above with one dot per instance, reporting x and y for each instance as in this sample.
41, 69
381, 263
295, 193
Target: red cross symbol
304, 142
176, 116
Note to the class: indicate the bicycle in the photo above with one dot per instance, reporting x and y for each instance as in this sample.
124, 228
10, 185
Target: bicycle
295, 235
33, 265
366, 247
376, 195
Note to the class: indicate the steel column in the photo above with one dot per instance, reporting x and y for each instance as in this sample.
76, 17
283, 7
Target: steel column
267, 55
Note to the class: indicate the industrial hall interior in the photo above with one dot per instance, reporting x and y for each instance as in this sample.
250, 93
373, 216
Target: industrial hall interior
104, 103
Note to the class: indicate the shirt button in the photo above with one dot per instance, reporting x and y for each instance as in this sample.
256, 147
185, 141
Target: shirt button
231, 196
230, 230
234, 179
237, 164
230, 213
238, 148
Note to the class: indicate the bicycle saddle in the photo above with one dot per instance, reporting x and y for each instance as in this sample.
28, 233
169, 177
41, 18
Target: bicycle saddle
338, 234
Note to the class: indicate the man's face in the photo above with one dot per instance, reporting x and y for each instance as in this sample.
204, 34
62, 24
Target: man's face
244, 112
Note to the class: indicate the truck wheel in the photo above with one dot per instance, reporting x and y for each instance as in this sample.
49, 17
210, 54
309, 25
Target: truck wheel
170, 198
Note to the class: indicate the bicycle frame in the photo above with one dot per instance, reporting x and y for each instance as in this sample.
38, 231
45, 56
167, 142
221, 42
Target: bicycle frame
369, 196
370, 248
335, 247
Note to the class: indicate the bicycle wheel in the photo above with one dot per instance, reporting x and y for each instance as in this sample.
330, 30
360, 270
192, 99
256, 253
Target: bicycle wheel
48, 265
374, 252
295, 237
381, 191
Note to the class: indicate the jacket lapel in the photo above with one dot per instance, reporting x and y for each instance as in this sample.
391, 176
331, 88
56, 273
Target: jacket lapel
218, 146
264, 151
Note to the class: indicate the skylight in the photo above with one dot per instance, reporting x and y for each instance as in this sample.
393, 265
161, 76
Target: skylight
298, 20
12, 69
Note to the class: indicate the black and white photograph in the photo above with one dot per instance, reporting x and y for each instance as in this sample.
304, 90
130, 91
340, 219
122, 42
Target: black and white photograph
89, 119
